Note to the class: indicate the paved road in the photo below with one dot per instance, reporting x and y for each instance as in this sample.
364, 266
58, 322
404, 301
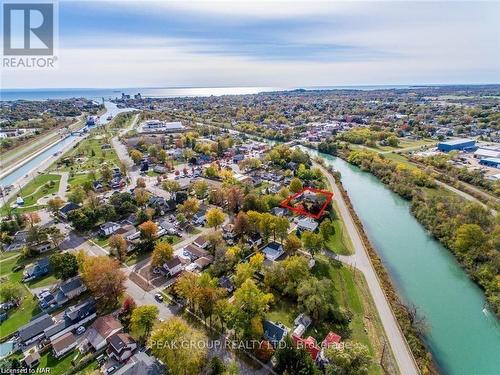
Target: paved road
464, 195
361, 261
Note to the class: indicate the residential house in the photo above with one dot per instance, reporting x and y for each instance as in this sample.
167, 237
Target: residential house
108, 228
308, 344
274, 332
226, 283
32, 360
202, 242
194, 252
69, 289
302, 322
279, 211
162, 205
307, 223
199, 218
19, 240
173, 266
273, 250
34, 330
204, 262
63, 344
100, 330
160, 169
141, 364
73, 317
254, 240
229, 233
121, 346
67, 208
39, 269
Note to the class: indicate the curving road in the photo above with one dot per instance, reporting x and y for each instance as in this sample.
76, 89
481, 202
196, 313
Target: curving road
361, 261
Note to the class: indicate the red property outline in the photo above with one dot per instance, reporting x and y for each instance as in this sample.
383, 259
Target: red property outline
286, 203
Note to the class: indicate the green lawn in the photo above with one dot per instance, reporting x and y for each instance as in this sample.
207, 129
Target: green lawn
400, 159
78, 179
44, 281
136, 257
101, 241
351, 291
340, 242
8, 254
57, 365
89, 368
29, 306
20, 316
89, 156
283, 311
34, 190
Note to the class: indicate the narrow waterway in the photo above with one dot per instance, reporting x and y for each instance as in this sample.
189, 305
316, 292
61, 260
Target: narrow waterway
463, 336
27, 168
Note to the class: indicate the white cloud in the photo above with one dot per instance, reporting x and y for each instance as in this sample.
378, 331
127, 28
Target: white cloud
419, 42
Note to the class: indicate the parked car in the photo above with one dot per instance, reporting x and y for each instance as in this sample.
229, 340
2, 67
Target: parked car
80, 330
159, 297
111, 369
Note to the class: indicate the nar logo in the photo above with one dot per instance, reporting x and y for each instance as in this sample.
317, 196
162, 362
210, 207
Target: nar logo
28, 29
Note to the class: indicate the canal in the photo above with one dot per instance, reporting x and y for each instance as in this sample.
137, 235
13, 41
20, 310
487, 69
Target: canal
25, 169
463, 336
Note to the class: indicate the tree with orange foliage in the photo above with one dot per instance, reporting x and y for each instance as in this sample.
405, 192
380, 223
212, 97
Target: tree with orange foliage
104, 279
148, 230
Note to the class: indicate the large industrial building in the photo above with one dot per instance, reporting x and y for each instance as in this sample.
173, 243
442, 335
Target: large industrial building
160, 127
490, 162
457, 144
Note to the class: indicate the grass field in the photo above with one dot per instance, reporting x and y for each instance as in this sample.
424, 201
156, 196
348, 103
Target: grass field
29, 306
56, 365
78, 179
340, 243
404, 144
35, 189
400, 159
350, 291
89, 156
44, 281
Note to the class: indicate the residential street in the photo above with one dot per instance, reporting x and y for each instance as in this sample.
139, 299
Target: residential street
361, 261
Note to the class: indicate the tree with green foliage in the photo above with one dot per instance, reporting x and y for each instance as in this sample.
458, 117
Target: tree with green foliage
248, 309
76, 195
292, 244
142, 321
293, 360
354, 359
326, 229
315, 297
118, 246
162, 252
168, 344
215, 217
11, 292
312, 242
64, 265
295, 185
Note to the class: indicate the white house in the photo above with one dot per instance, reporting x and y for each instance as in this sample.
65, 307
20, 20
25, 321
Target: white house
107, 229
307, 223
174, 266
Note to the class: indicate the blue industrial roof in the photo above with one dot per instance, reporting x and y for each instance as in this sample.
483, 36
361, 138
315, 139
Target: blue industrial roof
491, 160
457, 141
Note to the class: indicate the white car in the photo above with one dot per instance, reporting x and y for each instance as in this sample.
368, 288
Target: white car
80, 330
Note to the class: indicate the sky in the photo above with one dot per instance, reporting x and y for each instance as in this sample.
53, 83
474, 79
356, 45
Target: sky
108, 44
